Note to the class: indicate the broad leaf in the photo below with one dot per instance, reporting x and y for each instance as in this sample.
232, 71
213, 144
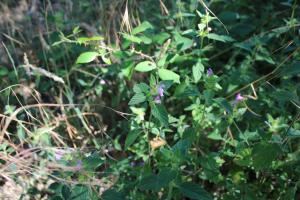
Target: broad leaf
194, 191
131, 137
168, 75
160, 113
87, 57
141, 88
264, 154
197, 71
145, 66
132, 38
112, 194
156, 182
137, 98
142, 27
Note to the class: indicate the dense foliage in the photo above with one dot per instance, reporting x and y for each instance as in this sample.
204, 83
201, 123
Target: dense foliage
175, 99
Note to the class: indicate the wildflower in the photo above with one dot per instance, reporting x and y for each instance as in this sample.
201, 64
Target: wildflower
161, 90
157, 99
209, 72
59, 154
239, 97
78, 165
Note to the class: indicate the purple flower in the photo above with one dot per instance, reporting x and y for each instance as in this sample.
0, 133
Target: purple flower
239, 97
59, 154
157, 99
161, 90
209, 72
78, 165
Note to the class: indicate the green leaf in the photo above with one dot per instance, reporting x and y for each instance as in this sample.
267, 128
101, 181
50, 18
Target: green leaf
131, 137
87, 57
145, 66
182, 43
92, 162
65, 192
3, 71
137, 98
211, 168
161, 37
132, 38
141, 88
292, 69
293, 133
197, 71
80, 193
145, 39
142, 27
88, 39
168, 75
111, 194
194, 191
156, 182
160, 113
221, 38
225, 104
264, 154
243, 158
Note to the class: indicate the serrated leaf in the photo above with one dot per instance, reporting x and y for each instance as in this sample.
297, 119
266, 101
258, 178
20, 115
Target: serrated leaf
225, 104
142, 27
194, 191
80, 193
168, 75
131, 137
197, 71
141, 88
156, 182
87, 57
137, 98
145, 66
160, 113
264, 154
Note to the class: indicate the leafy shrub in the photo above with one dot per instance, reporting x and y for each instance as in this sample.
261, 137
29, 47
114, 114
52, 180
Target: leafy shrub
202, 105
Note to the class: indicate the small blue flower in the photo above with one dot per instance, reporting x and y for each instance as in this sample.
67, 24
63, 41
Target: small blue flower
161, 90
210, 72
157, 99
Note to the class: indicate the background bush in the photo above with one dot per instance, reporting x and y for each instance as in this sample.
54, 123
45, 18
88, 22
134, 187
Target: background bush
127, 99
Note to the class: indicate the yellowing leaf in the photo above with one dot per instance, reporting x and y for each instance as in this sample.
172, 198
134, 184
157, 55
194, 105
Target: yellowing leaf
157, 142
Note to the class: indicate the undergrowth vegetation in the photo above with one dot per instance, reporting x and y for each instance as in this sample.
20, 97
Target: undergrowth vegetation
153, 99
